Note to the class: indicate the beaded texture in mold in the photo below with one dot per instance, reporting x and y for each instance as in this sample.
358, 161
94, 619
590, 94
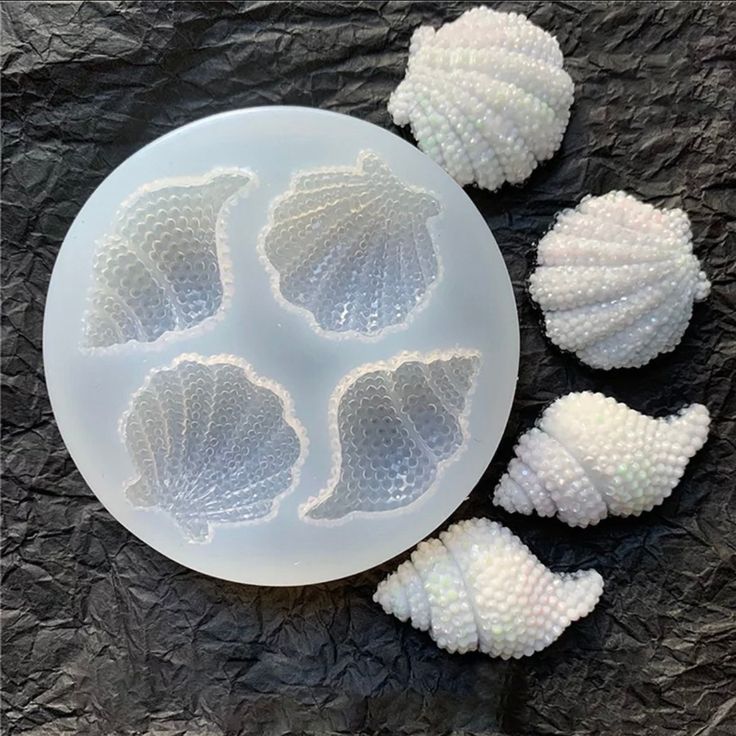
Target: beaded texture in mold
591, 456
486, 96
350, 248
164, 267
212, 443
479, 588
616, 280
395, 426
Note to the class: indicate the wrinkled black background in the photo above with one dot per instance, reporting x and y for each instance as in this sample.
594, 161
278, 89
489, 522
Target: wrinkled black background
101, 635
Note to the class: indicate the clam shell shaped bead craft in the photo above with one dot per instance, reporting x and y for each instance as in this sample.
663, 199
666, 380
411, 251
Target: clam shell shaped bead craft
212, 444
479, 588
591, 456
486, 96
395, 426
351, 248
163, 267
616, 280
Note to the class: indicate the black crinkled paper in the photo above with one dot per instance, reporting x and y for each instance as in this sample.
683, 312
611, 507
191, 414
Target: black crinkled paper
101, 635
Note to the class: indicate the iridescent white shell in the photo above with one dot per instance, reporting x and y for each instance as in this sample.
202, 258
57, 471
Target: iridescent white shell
616, 280
479, 588
395, 426
350, 248
591, 456
212, 444
486, 96
164, 267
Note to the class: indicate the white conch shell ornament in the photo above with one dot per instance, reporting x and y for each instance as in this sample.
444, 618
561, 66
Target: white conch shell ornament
591, 456
350, 248
479, 588
164, 265
395, 426
486, 96
616, 280
212, 443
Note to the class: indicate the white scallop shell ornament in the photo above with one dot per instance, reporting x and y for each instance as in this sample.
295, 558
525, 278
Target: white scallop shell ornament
591, 456
350, 248
486, 96
163, 267
616, 280
479, 588
212, 443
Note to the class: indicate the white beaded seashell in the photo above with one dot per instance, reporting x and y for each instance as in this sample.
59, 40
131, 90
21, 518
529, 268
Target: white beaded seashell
350, 248
616, 280
486, 96
395, 426
479, 588
163, 267
212, 443
591, 456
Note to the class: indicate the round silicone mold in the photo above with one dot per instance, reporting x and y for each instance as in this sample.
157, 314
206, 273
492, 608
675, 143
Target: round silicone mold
281, 345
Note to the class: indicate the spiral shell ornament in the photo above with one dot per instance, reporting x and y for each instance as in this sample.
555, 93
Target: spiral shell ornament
616, 280
349, 247
591, 456
163, 267
479, 588
395, 426
212, 444
486, 96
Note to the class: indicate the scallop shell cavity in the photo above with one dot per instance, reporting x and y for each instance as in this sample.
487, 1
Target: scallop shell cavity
395, 426
486, 96
479, 588
616, 280
164, 267
591, 456
212, 444
350, 248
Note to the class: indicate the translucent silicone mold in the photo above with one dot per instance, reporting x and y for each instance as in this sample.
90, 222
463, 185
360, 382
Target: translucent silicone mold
212, 444
351, 247
261, 536
395, 425
164, 266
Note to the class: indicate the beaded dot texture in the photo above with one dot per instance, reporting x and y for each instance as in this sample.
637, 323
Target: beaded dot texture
486, 96
479, 588
591, 456
616, 280
351, 249
163, 267
212, 444
395, 426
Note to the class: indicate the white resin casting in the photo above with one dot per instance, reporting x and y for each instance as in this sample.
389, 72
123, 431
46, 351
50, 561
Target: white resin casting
350, 246
395, 425
591, 456
486, 96
616, 280
212, 444
163, 266
478, 587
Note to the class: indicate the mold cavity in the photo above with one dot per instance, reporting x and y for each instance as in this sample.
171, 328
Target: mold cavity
163, 267
211, 444
395, 426
351, 247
